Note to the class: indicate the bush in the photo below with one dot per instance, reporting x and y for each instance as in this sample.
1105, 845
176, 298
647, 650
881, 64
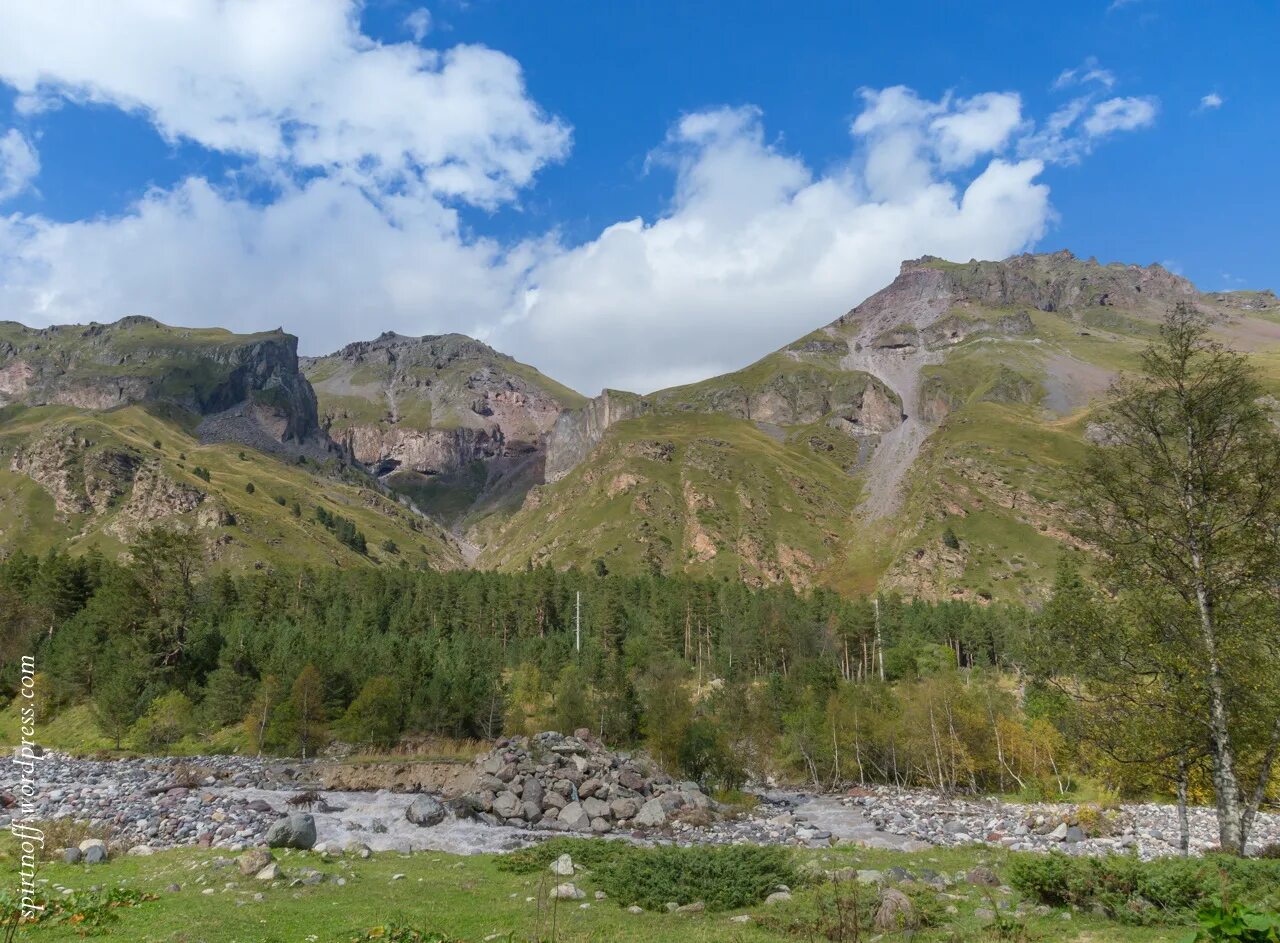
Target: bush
1236, 922
249, 488
1134, 891
376, 713
723, 878
588, 853
168, 719
949, 539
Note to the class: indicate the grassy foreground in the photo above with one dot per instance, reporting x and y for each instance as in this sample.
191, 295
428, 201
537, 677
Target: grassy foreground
474, 899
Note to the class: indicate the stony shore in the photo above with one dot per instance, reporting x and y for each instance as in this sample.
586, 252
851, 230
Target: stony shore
231, 802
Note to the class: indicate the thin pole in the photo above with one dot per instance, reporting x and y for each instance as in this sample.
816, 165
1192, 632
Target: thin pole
577, 623
879, 641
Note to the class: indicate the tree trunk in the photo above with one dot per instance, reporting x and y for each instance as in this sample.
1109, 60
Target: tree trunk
1184, 824
1226, 785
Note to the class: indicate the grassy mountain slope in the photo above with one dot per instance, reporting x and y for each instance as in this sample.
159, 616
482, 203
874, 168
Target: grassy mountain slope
82, 480
995, 367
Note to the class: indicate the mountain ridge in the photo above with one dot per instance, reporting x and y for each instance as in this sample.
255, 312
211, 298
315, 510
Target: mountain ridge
845, 449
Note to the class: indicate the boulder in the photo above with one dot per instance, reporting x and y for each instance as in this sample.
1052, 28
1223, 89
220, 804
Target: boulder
507, 805
254, 860
895, 911
271, 872
563, 867
295, 830
96, 854
596, 808
778, 897
532, 791
567, 891
601, 826
575, 817
425, 811
651, 815
982, 876
625, 808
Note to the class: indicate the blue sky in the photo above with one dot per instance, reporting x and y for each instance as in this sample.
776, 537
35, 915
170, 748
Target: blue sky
627, 194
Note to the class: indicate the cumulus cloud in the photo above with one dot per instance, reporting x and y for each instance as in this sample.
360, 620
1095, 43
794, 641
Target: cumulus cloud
368, 148
757, 249
289, 81
1211, 101
19, 164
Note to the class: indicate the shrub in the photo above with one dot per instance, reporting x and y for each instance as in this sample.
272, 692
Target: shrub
589, 853
375, 714
281, 500
249, 488
167, 720
1134, 891
723, 878
1235, 922
949, 539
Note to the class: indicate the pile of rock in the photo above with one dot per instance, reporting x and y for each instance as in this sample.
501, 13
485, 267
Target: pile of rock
574, 784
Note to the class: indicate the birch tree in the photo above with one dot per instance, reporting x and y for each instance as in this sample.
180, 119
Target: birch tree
1182, 497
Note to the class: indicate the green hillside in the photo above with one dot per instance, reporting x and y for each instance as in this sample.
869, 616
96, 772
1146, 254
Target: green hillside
81, 480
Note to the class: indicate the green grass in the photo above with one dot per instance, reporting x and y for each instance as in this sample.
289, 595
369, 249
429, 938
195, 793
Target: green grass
263, 531
474, 898
658, 482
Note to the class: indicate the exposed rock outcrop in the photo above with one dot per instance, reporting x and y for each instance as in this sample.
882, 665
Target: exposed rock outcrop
209, 372
579, 431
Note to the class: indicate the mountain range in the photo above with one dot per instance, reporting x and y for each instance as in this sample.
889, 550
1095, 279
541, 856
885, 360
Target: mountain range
918, 442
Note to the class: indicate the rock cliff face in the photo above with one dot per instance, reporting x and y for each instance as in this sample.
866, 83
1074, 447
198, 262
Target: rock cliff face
86, 477
577, 432
446, 420
243, 387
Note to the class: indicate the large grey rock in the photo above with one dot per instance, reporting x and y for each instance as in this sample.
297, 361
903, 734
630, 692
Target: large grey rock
96, 854
533, 791
595, 808
295, 830
575, 817
651, 814
563, 867
567, 891
425, 811
507, 805
624, 808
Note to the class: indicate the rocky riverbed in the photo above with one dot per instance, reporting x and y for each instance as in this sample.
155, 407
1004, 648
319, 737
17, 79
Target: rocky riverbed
231, 802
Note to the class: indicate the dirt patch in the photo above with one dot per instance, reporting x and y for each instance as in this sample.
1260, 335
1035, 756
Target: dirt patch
1071, 384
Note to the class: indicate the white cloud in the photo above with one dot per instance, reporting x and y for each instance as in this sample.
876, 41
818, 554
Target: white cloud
289, 81
19, 164
756, 249
418, 23
1211, 101
979, 125
1120, 114
364, 145
1072, 132
1087, 72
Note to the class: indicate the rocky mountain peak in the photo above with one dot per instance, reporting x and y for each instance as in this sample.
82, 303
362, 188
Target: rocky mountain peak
243, 387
